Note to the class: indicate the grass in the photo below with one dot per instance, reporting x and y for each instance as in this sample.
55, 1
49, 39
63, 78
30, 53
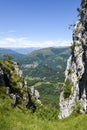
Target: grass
13, 120
20, 118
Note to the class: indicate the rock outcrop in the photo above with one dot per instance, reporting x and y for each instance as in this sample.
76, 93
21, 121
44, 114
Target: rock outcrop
16, 87
11, 78
34, 93
75, 88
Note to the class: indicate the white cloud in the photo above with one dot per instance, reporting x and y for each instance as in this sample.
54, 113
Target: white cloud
25, 42
11, 40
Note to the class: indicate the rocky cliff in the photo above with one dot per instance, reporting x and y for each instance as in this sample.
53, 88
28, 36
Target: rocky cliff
74, 95
11, 78
15, 87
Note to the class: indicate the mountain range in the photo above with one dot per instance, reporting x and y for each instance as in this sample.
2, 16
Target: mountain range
44, 62
8, 51
43, 68
24, 51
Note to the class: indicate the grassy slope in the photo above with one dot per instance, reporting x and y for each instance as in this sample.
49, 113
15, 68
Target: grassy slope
20, 118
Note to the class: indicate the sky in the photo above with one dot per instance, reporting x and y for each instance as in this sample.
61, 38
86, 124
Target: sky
37, 23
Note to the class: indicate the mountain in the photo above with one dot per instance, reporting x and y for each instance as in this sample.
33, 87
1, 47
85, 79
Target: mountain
41, 63
14, 54
44, 62
43, 67
42, 54
24, 51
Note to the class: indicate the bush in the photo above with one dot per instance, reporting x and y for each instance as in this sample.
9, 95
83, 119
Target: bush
77, 107
7, 57
69, 71
67, 88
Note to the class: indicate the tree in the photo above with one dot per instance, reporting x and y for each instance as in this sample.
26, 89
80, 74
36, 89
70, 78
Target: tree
7, 57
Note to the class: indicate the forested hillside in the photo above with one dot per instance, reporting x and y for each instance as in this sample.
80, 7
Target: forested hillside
44, 69
44, 62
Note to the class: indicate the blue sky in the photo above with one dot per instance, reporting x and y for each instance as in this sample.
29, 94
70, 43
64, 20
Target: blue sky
36, 23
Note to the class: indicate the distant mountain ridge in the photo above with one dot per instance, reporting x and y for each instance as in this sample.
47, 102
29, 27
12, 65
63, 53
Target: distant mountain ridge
43, 54
14, 54
24, 50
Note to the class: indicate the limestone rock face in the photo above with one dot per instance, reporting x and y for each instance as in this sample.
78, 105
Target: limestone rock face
18, 71
36, 94
76, 71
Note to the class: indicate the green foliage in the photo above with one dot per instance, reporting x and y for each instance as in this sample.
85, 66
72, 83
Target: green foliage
43, 72
32, 82
67, 88
44, 62
77, 107
47, 65
20, 118
7, 66
69, 71
48, 93
47, 112
12, 79
7, 57
72, 47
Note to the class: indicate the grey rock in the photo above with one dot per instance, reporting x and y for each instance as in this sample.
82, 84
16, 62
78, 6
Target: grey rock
18, 71
77, 63
32, 91
36, 95
8, 90
14, 99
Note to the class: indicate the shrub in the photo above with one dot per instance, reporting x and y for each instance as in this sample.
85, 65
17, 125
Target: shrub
77, 107
7, 57
69, 71
67, 88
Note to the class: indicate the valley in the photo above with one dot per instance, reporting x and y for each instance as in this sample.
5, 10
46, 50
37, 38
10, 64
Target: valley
44, 69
